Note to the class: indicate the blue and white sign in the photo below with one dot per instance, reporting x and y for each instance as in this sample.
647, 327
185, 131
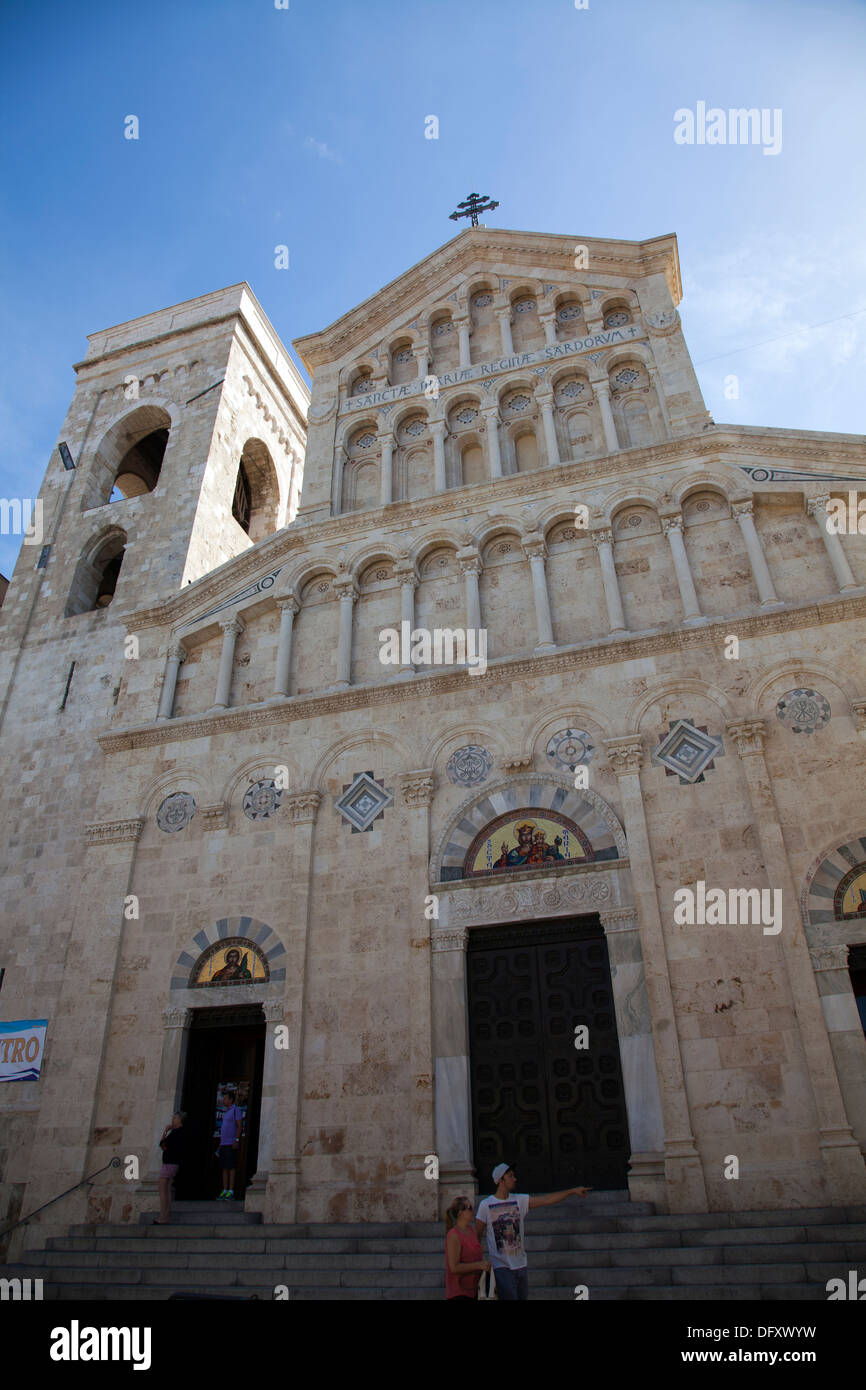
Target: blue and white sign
21, 1046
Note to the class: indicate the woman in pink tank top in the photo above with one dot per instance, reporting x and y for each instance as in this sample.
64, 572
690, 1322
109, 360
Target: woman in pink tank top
463, 1258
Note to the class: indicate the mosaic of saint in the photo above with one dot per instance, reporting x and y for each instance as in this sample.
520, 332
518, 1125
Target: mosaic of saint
233, 961
526, 840
850, 897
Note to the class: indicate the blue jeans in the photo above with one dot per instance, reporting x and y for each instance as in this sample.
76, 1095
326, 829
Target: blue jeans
512, 1283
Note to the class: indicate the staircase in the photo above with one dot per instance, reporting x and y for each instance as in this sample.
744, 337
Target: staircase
619, 1249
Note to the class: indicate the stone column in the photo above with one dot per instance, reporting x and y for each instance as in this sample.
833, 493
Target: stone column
817, 507
451, 1062
438, 430
231, 630
348, 594
176, 654
491, 419
684, 1175
463, 335
646, 1178
673, 529
549, 423
176, 1022
535, 551
288, 608
78, 1038
602, 392
340, 457
386, 444
504, 316
470, 568
256, 1198
417, 790
655, 378
603, 542
408, 584
845, 1173
548, 323
844, 1029
760, 571
422, 357
280, 1203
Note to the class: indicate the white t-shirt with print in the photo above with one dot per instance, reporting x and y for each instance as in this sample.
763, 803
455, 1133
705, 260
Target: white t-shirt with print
504, 1222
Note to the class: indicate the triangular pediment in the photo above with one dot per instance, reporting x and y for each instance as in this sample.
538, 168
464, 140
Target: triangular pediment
505, 255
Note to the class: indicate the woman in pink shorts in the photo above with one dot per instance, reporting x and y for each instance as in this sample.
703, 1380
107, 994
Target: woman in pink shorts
173, 1144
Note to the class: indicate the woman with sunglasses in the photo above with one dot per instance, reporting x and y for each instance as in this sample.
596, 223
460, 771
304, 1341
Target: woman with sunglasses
464, 1262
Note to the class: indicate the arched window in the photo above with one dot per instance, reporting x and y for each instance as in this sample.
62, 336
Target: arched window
256, 497
96, 575
138, 472
129, 458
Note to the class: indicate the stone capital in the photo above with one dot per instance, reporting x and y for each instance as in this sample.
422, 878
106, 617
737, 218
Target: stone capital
418, 788
739, 509
176, 652
405, 573
469, 561
176, 1017
833, 957
748, 735
817, 506
233, 625
273, 1010
858, 708
491, 412
618, 919
625, 754
454, 939
289, 602
672, 522
534, 547
303, 807
602, 535
346, 588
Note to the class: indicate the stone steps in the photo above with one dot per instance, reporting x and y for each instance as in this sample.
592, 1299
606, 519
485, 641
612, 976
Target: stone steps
626, 1253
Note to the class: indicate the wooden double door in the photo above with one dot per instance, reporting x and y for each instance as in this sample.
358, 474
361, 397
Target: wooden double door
554, 1111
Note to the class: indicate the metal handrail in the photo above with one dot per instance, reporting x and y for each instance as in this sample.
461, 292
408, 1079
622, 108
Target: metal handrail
115, 1163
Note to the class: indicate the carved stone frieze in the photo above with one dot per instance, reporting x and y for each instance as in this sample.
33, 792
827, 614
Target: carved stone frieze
830, 957
748, 736
452, 940
417, 788
113, 832
176, 1017
303, 807
510, 901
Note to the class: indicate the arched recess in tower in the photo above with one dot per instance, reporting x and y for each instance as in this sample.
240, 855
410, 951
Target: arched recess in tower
96, 574
129, 458
256, 501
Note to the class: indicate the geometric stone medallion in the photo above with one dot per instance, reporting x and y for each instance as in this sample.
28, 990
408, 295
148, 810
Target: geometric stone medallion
469, 765
262, 799
364, 801
570, 747
176, 812
803, 711
687, 752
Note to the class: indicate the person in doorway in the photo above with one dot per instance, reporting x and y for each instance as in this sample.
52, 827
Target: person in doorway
230, 1137
464, 1260
173, 1145
501, 1217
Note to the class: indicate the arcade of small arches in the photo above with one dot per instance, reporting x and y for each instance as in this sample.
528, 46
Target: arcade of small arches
527, 421
323, 645
485, 321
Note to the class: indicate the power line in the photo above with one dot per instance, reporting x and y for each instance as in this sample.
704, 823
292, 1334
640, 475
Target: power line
732, 351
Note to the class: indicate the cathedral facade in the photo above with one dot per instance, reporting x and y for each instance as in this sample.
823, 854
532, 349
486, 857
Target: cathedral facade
461, 762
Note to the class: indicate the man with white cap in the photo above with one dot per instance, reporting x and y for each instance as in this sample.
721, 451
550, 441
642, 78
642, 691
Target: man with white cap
502, 1218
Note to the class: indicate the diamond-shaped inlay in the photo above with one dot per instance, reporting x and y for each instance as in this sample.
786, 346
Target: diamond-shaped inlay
687, 751
364, 801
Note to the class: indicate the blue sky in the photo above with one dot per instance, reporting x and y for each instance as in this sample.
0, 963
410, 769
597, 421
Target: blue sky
305, 127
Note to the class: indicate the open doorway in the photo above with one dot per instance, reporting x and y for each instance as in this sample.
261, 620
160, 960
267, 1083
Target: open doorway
226, 1050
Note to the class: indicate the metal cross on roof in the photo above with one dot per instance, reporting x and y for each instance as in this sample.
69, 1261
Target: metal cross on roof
475, 203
